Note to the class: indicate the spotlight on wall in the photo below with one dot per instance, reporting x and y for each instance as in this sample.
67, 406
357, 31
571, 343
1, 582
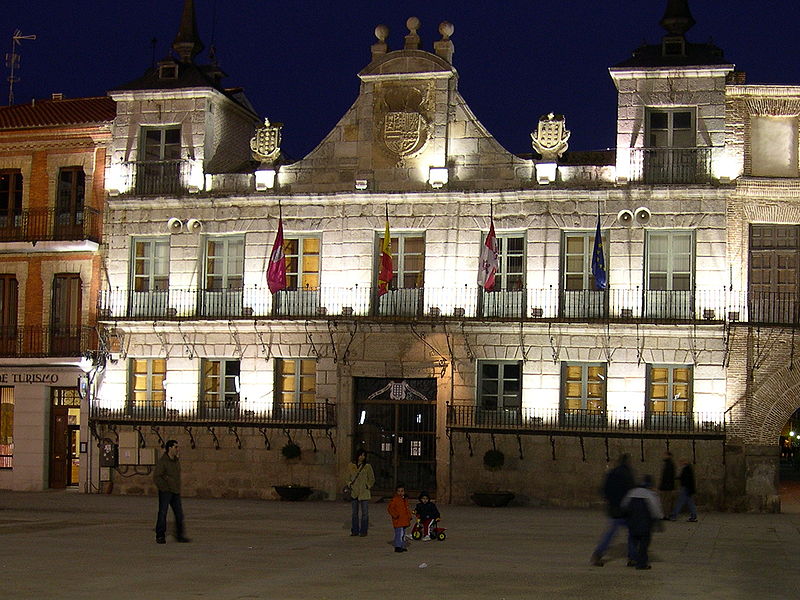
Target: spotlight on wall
642, 215
265, 179
361, 184
625, 217
174, 225
437, 177
194, 226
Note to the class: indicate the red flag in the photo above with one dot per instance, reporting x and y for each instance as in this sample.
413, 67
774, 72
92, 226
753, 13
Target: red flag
386, 267
276, 270
488, 261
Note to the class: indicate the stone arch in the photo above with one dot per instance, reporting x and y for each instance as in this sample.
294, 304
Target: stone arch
773, 403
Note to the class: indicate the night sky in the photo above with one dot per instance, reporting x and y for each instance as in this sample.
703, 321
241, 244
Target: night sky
298, 59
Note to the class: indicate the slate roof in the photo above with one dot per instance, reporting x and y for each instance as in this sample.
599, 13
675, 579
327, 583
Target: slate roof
49, 113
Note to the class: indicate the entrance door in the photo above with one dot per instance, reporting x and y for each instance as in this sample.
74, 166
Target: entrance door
396, 424
64, 437
65, 337
59, 447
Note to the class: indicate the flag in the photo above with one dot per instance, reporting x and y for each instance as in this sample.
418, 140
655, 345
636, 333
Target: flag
598, 260
276, 271
487, 268
386, 269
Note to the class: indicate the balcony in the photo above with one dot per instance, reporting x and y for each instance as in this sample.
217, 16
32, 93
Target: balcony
671, 165
35, 342
542, 421
43, 225
297, 415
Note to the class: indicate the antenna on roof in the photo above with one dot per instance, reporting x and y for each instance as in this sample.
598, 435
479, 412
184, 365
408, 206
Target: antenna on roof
12, 61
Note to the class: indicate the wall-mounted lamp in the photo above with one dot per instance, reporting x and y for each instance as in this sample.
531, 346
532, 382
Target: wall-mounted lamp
265, 179
437, 177
361, 184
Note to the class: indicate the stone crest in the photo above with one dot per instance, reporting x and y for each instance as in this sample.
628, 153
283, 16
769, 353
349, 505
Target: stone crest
403, 126
266, 144
550, 138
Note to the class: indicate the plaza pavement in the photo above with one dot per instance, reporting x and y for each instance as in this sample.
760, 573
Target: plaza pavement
59, 544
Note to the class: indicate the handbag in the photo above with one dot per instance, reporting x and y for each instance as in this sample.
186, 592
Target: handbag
347, 491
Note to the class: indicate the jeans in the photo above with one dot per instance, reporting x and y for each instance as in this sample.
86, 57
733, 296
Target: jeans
640, 544
360, 526
165, 500
605, 541
399, 534
684, 498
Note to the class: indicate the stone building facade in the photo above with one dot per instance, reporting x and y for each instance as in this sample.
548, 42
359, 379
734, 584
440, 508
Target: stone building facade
689, 348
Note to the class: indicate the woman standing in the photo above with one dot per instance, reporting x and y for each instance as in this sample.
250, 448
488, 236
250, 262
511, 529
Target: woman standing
361, 478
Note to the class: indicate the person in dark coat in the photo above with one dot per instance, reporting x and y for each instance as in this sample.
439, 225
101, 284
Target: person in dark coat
617, 483
644, 513
666, 485
167, 477
427, 513
687, 490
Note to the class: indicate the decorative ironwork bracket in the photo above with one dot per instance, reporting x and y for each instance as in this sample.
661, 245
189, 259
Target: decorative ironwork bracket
263, 431
214, 437
236, 435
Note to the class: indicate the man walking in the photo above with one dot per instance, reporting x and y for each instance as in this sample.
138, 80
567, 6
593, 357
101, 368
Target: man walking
617, 483
644, 513
666, 485
167, 477
687, 490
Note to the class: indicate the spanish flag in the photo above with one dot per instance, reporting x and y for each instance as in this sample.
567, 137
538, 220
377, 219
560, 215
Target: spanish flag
386, 269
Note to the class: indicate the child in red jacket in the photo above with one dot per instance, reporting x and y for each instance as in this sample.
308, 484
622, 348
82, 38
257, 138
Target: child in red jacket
401, 517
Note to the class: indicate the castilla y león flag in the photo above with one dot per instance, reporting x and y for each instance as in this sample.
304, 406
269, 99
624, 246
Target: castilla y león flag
276, 270
386, 271
487, 268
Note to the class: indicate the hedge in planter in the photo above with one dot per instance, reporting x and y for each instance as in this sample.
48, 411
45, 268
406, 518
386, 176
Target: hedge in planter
291, 450
494, 459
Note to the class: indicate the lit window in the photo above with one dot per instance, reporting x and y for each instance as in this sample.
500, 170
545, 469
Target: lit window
220, 385
297, 380
6, 427
147, 383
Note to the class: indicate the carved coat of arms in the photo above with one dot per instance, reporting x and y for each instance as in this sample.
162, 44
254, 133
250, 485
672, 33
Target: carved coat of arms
550, 138
404, 128
266, 144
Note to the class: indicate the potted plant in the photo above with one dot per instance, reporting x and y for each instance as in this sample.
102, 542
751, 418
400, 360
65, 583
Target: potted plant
493, 460
291, 450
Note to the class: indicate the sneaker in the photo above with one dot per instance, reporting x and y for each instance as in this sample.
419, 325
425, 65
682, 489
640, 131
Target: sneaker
161, 541
692, 519
596, 561
427, 538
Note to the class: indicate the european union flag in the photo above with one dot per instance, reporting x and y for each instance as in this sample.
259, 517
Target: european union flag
598, 260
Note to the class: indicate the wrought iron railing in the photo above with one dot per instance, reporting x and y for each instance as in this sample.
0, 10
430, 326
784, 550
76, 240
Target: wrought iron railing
296, 415
32, 341
671, 165
459, 303
160, 177
40, 225
540, 420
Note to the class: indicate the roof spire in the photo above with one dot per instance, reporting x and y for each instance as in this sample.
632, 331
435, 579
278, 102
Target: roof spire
677, 19
187, 43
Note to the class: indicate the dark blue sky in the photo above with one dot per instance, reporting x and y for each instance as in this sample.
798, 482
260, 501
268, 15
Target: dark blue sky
298, 59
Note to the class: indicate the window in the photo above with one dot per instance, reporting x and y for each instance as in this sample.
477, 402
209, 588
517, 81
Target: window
69, 202
580, 296
297, 380
773, 146
669, 396
224, 276
158, 169
774, 273
508, 297
220, 385
147, 384
10, 198
669, 274
6, 427
499, 392
583, 392
301, 296
8, 314
405, 289
672, 155
149, 276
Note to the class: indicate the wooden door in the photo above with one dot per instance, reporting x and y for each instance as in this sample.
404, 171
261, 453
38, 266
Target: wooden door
59, 446
66, 315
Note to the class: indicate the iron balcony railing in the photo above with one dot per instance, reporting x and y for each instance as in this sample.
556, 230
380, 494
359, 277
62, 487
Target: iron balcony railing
456, 303
159, 177
544, 421
32, 341
41, 225
671, 165
296, 415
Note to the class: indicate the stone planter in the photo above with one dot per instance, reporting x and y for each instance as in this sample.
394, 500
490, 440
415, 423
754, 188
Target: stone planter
492, 499
293, 493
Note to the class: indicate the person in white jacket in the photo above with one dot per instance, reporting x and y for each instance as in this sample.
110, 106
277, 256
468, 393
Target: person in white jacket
644, 512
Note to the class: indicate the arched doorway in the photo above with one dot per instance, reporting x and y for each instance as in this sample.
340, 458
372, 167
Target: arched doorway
789, 471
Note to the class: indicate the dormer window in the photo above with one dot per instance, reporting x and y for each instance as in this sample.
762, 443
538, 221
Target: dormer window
673, 46
168, 70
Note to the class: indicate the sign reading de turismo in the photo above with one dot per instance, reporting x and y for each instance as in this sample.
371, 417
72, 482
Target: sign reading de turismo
28, 378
